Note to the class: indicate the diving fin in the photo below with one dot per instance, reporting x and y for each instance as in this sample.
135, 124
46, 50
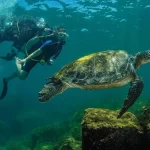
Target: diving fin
4, 91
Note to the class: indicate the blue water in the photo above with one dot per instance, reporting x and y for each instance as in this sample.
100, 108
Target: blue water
92, 26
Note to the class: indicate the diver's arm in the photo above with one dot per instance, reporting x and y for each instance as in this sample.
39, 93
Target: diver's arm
37, 52
33, 55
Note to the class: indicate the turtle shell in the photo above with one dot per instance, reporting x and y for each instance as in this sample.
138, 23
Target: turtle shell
97, 69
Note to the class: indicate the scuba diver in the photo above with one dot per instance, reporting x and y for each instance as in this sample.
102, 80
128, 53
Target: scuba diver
39, 49
20, 31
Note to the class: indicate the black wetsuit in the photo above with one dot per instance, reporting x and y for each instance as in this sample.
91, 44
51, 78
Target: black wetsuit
20, 32
48, 51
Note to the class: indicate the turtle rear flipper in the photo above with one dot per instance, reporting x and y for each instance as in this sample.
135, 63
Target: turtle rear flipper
4, 91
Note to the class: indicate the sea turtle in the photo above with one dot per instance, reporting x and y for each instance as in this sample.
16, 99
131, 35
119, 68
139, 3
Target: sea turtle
106, 69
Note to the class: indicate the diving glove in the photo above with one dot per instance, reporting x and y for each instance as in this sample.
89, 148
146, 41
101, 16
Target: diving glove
50, 62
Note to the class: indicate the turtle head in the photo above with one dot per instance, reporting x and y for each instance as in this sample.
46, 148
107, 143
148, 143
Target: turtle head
50, 89
142, 58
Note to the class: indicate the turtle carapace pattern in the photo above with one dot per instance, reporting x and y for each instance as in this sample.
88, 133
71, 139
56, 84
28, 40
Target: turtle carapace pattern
106, 69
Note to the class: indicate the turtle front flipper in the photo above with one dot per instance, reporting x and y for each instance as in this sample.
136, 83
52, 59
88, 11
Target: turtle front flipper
50, 89
136, 87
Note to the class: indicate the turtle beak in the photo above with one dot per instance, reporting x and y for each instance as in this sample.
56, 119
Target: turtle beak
43, 97
50, 89
46, 93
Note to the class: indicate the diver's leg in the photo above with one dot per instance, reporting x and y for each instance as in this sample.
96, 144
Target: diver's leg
18, 65
136, 87
5, 83
23, 75
19, 73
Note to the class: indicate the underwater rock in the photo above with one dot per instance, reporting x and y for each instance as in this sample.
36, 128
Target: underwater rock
75, 125
43, 138
45, 134
44, 146
144, 117
102, 130
60, 136
68, 144
144, 120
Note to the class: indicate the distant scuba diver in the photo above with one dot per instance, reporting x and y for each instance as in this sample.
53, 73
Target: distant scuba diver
20, 31
39, 49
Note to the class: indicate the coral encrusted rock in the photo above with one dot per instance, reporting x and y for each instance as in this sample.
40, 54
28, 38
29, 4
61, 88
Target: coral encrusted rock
101, 130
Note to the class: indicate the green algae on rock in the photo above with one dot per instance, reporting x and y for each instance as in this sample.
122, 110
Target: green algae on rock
61, 136
97, 118
68, 143
101, 130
